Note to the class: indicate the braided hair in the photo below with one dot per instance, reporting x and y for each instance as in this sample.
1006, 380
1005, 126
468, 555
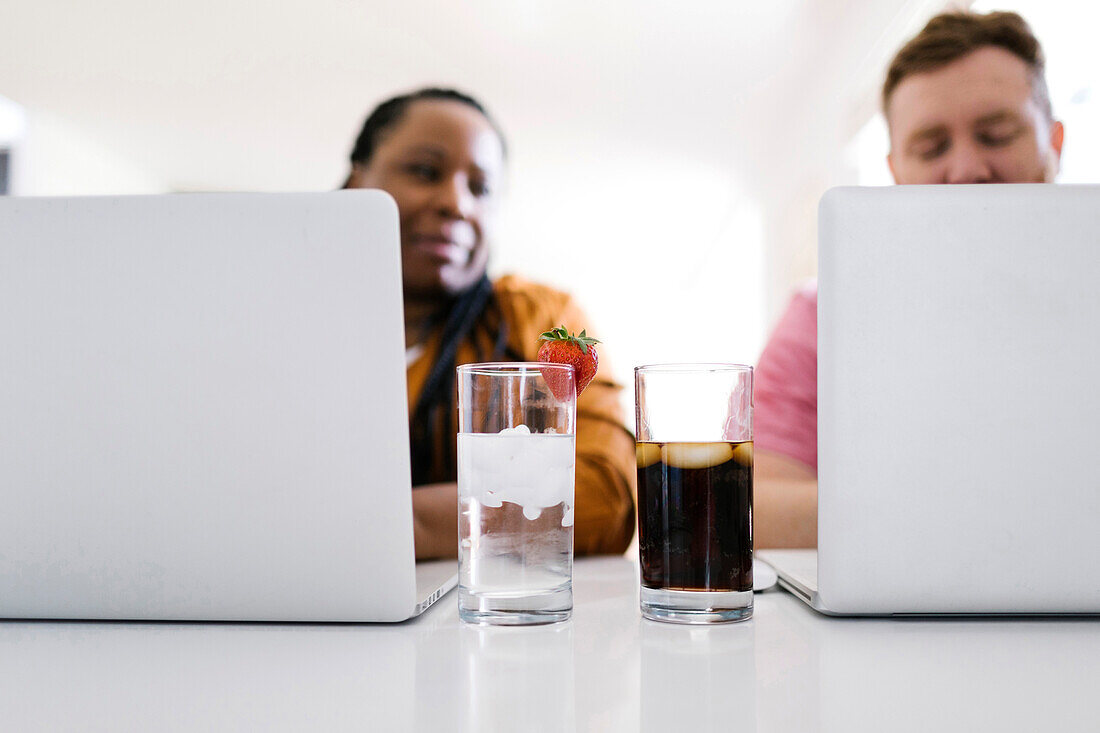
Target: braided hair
390, 112
472, 310
434, 413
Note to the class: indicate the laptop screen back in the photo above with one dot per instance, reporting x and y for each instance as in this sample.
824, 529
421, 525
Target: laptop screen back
198, 403
958, 399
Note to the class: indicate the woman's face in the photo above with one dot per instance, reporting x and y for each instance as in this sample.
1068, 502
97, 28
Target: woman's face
442, 162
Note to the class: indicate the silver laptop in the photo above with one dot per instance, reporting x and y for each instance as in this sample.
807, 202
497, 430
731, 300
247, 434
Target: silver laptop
958, 403
203, 410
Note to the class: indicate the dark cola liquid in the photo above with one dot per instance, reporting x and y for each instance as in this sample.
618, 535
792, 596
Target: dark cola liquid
695, 515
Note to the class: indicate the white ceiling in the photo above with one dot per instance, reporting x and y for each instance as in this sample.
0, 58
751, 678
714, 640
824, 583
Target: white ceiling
227, 94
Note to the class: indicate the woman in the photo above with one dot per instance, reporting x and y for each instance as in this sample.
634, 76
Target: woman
441, 157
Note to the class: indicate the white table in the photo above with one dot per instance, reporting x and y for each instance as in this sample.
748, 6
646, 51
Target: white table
788, 669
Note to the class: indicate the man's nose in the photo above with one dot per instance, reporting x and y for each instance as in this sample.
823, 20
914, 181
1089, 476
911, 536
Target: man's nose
967, 163
454, 198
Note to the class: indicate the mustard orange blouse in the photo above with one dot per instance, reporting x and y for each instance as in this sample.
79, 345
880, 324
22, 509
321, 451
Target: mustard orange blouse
606, 465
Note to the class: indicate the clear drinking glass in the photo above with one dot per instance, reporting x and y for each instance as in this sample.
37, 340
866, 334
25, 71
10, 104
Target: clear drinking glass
694, 448
516, 458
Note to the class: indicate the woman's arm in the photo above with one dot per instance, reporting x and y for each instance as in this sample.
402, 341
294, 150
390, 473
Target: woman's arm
606, 471
604, 497
606, 464
435, 521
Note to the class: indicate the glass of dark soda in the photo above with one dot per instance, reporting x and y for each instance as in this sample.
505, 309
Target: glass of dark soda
694, 449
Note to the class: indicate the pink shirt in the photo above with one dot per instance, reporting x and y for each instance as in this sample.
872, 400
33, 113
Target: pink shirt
785, 385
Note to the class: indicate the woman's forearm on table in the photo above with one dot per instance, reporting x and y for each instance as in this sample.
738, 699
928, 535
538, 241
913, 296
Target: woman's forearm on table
435, 521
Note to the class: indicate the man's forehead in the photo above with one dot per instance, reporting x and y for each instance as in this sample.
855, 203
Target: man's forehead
978, 84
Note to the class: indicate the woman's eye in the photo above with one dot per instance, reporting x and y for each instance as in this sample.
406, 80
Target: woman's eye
479, 188
423, 171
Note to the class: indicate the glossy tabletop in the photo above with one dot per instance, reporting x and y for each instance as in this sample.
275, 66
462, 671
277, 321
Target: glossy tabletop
607, 669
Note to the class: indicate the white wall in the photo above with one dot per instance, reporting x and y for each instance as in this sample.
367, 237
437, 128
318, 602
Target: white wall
53, 157
666, 159
664, 254
12, 122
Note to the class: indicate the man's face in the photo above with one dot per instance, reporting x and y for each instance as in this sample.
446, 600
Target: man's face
972, 121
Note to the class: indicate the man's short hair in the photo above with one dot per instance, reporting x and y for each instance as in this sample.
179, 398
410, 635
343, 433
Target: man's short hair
952, 35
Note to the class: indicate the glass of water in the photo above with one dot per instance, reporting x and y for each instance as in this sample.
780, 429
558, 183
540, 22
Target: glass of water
516, 459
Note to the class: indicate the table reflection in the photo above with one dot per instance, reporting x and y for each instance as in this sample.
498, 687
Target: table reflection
517, 679
698, 678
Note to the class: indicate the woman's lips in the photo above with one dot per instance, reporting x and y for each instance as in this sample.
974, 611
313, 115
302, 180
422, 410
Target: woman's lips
442, 249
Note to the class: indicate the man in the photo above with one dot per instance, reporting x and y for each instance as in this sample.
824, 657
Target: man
965, 102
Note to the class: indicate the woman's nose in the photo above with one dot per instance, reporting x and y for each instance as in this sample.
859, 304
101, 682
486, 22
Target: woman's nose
455, 199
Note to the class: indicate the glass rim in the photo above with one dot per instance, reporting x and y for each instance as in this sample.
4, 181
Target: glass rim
689, 367
513, 368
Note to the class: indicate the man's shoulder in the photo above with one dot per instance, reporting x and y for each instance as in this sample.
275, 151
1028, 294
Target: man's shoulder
797, 327
806, 293
801, 313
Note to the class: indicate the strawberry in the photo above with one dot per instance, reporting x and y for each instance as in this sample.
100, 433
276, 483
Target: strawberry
579, 352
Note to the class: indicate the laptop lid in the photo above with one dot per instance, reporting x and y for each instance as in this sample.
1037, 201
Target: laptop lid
958, 468
203, 409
